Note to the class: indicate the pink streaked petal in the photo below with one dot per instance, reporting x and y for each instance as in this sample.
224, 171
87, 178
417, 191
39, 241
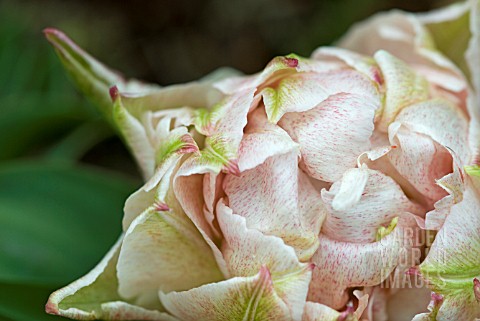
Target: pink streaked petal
376, 202
261, 141
361, 63
303, 91
445, 123
345, 124
342, 265
257, 193
420, 160
246, 250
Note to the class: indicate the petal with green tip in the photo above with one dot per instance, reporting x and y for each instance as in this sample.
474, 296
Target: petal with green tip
95, 296
240, 298
92, 77
453, 262
303, 91
403, 87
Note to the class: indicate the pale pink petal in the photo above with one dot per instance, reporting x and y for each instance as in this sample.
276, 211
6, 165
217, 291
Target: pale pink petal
268, 197
240, 298
319, 312
188, 188
158, 253
360, 203
453, 183
246, 250
405, 35
303, 91
212, 193
261, 141
342, 265
344, 122
443, 122
361, 63
421, 161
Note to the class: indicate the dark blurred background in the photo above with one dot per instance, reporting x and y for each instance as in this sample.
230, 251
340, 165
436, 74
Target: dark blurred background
63, 174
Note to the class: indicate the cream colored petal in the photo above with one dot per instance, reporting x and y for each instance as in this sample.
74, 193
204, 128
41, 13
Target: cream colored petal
95, 296
240, 298
162, 250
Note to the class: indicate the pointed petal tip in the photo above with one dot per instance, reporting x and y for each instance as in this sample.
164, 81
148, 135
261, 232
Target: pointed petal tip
51, 308
350, 310
291, 62
476, 288
51, 31
190, 145
436, 298
161, 207
232, 167
114, 92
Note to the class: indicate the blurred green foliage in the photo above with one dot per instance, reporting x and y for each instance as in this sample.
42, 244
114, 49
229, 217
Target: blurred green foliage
63, 175
58, 215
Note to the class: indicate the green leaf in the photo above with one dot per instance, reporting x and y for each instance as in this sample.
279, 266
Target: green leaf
56, 221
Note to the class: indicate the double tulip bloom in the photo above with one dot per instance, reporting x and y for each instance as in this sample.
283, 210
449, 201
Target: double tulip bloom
344, 186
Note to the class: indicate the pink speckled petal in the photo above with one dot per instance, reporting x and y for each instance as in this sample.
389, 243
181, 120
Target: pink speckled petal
247, 250
420, 161
445, 123
261, 141
257, 193
360, 203
344, 122
303, 91
342, 265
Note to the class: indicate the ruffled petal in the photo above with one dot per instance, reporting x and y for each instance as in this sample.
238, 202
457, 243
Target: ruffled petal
303, 91
341, 143
342, 265
257, 193
246, 250
362, 202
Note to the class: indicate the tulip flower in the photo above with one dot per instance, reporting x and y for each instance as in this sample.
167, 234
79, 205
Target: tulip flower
307, 191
